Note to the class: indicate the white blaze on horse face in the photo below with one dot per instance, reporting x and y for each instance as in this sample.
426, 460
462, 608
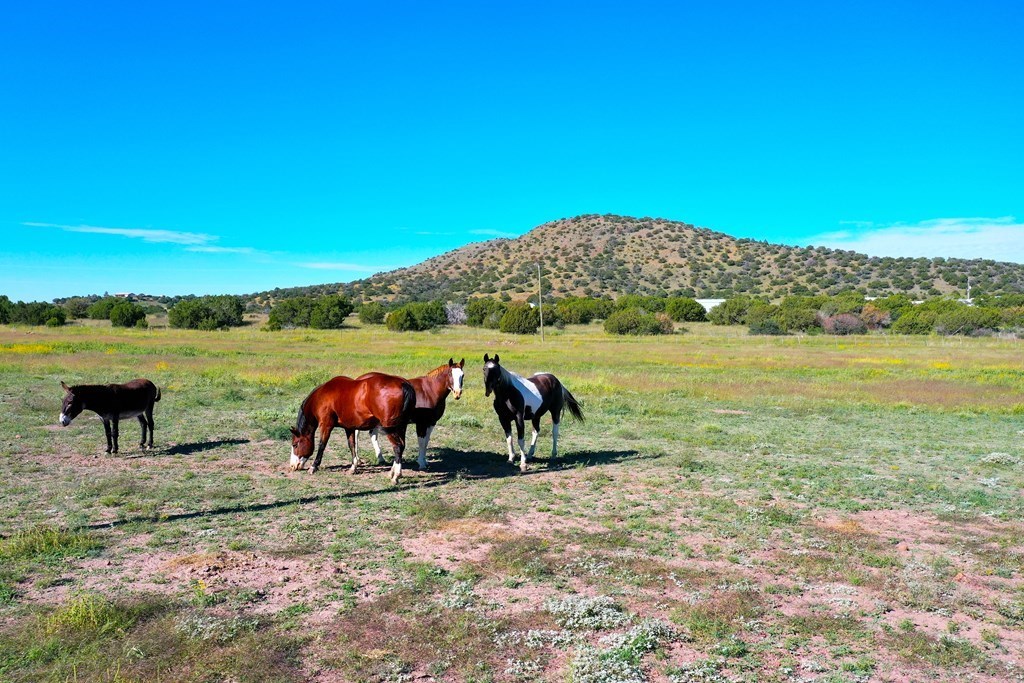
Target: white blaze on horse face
457, 375
297, 463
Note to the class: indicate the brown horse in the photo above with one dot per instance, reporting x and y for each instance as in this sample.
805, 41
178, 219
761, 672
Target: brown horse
113, 402
373, 400
431, 393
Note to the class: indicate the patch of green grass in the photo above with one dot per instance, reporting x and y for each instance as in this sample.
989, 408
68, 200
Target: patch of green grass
47, 542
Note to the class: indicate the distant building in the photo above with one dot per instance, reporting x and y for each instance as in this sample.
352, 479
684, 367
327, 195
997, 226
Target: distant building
708, 304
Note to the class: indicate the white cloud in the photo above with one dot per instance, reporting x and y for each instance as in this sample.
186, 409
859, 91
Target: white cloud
334, 265
493, 233
145, 234
1001, 239
206, 249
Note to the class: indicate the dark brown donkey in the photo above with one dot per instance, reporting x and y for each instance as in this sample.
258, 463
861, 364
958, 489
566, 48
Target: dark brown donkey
431, 393
371, 401
113, 402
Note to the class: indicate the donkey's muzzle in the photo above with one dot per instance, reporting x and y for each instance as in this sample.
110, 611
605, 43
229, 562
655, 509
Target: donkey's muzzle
63, 420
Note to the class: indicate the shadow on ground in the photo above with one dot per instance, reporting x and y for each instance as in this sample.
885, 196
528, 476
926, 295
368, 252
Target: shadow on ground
197, 447
446, 465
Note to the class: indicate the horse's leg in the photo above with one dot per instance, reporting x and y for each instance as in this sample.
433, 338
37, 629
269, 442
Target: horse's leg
325, 435
397, 440
144, 425
149, 419
556, 417
423, 438
520, 431
106, 430
376, 447
351, 434
506, 424
533, 440
114, 430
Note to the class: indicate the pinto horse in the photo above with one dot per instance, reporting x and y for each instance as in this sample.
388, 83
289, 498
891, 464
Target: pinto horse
113, 402
517, 399
432, 391
370, 401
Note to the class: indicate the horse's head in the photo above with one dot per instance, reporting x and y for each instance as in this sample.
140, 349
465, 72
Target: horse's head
492, 374
456, 375
71, 407
302, 448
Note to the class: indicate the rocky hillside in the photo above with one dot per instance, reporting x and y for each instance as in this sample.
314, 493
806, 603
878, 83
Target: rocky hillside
611, 255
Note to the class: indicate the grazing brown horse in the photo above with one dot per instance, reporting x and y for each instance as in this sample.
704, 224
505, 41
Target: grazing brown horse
370, 401
517, 399
113, 402
431, 393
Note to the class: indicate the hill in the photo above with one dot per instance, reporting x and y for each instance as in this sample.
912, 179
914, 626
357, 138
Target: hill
595, 255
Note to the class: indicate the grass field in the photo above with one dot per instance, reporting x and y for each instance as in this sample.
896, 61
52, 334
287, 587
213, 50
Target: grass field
734, 508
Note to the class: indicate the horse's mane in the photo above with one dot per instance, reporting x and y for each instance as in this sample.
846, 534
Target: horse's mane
437, 371
300, 421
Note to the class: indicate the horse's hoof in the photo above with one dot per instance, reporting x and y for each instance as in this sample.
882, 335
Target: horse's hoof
522, 469
312, 470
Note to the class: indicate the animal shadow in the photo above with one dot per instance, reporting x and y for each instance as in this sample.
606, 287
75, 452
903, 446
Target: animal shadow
494, 464
200, 446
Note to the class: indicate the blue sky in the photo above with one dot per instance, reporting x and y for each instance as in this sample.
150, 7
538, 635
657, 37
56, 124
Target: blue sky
234, 147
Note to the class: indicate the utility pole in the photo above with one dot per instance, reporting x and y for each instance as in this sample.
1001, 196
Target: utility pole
540, 302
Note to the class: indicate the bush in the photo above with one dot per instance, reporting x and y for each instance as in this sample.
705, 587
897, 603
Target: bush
520, 318
329, 312
582, 310
731, 311
843, 323
372, 313
455, 313
635, 321
417, 316
35, 313
292, 312
967, 320
207, 313
685, 309
5, 310
767, 326
484, 312
650, 304
915, 321
874, 317
126, 314
77, 307
100, 310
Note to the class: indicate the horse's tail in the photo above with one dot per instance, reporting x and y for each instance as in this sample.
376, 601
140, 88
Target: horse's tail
572, 404
408, 401
157, 395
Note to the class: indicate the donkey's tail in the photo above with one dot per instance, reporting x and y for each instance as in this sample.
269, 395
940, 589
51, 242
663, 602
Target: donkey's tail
574, 406
408, 401
157, 395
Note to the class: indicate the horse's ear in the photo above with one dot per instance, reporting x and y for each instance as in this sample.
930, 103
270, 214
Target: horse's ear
462, 362
451, 362
486, 359
496, 359
65, 387
295, 431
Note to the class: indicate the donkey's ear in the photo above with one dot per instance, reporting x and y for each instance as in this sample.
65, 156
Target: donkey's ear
65, 387
295, 432
462, 362
486, 359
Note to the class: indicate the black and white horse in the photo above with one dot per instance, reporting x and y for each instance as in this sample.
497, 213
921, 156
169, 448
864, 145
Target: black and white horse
517, 399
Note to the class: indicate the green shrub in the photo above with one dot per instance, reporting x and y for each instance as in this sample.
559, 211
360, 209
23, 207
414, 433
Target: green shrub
967, 320
766, 326
651, 304
126, 314
100, 309
915, 321
731, 311
417, 316
329, 312
520, 318
36, 313
635, 321
372, 313
685, 309
484, 312
207, 313
292, 312
581, 310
